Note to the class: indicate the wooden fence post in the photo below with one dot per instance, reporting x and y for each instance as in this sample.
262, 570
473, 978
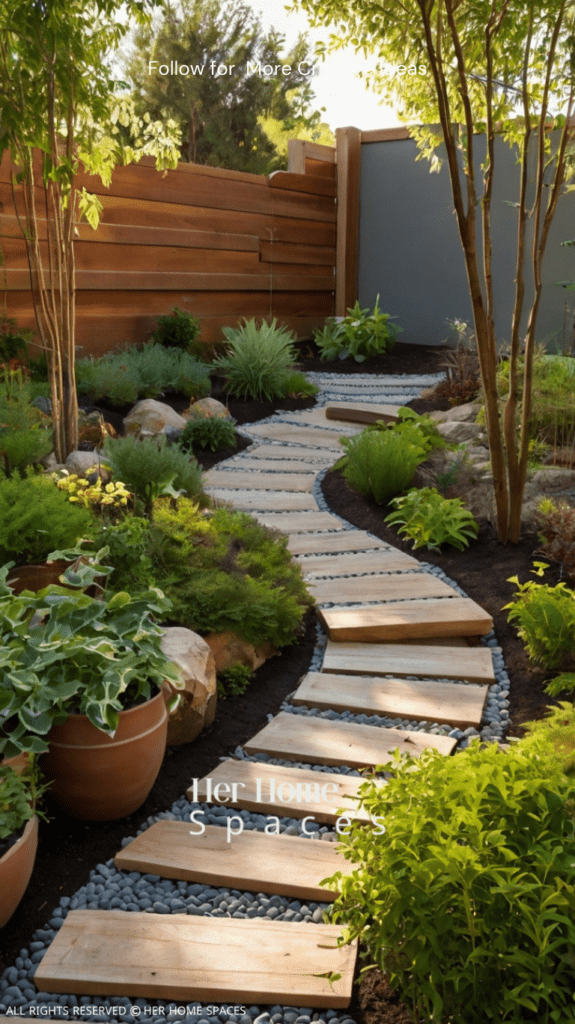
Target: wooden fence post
348, 156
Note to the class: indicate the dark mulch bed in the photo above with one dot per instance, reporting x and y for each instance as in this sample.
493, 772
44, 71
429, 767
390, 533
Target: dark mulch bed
403, 358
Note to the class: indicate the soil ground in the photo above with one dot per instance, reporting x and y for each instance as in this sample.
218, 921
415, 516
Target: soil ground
68, 849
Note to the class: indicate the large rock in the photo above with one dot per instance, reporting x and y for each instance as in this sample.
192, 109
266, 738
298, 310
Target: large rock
150, 417
456, 432
554, 478
208, 409
196, 707
464, 413
82, 462
229, 649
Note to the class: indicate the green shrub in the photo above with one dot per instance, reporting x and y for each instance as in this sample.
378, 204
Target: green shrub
152, 467
14, 341
380, 464
177, 330
19, 794
466, 902
546, 620
234, 681
552, 416
360, 334
227, 572
130, 544
430, 520
36, 518
25, 432
123, 377
213, 433
420, 430
258, 360
554, 736
296, 385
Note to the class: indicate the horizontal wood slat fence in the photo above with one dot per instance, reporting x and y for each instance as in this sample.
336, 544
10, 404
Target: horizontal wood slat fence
220, 244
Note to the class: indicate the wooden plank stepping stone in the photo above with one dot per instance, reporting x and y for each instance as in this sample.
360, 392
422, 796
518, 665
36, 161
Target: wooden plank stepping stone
284, 792
285, 451
390, 560
361, 412
300, 522
173, 956
318, 417
458, 616
470, 664
256, 861
284, 465
319, 741
264, 500
314, 437
423, 700
383, 588
260, 481
349, 540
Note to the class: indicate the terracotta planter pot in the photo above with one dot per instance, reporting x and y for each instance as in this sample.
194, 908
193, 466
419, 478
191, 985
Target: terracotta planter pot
15, 869
97, 778
36, 577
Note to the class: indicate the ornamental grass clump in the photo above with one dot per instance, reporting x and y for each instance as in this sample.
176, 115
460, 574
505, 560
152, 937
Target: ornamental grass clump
380, 463
258, 360
212, 432
466, 900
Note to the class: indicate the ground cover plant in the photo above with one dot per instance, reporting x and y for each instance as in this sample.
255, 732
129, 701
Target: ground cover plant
123, 377
466, 902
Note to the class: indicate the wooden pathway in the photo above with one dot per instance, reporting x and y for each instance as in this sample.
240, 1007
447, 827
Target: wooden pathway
399, 647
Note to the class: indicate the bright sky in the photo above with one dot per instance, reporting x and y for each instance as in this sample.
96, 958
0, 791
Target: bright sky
337, 88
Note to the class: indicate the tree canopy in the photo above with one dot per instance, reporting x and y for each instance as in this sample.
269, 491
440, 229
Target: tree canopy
177, 70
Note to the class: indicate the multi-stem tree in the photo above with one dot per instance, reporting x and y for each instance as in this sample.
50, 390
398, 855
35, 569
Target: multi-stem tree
59, 113
494, 67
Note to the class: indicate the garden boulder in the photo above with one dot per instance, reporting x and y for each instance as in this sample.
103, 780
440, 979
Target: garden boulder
196, 707
208, 409
457, 432
150, 417
229, 649
82, 462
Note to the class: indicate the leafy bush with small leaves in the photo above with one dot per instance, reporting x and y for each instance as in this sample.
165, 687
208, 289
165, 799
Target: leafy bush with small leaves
466, 902
36, 518
234, 681
258, 360
227, 572
123, 377
546, 620
152, 467
130, 544
554, 734
360, 334
19, 795
25, 432
380, 464
214, 433
296, 385
430, 520
556, 522
177, 330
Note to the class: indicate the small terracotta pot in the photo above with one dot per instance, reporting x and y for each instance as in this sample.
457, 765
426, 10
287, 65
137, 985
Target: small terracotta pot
16, 867
36, 577
99, 778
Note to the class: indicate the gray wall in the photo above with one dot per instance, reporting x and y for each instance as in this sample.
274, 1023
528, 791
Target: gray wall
410, 252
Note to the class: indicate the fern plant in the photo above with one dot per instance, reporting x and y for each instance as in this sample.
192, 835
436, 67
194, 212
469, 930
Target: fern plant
546, 620
258, 360
430, 520
380, 464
